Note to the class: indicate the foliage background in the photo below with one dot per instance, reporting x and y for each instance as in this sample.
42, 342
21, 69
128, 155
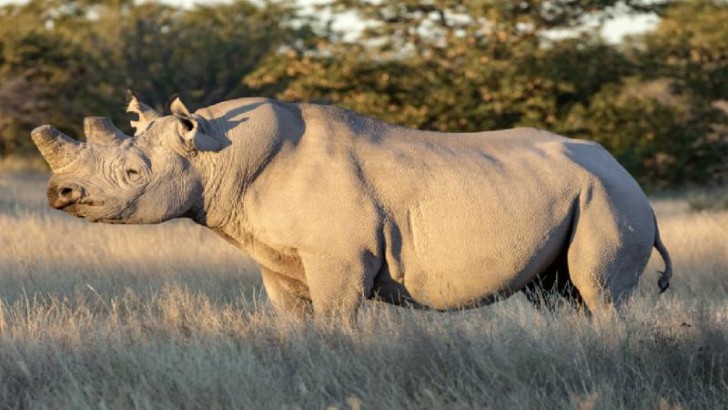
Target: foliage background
658, 101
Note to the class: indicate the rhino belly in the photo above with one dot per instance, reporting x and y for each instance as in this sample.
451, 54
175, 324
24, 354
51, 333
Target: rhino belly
460, 254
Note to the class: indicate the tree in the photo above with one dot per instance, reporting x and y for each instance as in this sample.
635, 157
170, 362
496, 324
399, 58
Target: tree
690, 46
76, 58
671, 105
40, 72
447, 65
19, 104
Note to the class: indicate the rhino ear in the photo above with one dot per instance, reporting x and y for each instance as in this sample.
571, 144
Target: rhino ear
193, 128
145, 113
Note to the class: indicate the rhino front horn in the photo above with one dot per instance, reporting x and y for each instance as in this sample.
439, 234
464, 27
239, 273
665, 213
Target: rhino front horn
57, 148
101, 130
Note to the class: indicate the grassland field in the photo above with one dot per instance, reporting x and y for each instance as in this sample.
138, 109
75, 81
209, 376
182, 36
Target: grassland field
171, 316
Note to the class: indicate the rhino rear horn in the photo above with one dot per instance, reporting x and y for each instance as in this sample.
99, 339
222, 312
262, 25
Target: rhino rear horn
57, 148
145, 113
101, 130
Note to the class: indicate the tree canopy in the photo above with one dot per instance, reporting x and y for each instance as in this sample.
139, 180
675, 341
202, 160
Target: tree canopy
657, 101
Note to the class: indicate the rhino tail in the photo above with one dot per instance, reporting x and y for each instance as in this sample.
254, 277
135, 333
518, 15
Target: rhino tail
664, 280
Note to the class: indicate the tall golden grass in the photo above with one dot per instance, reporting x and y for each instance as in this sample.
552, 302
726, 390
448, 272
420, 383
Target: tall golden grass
170, 316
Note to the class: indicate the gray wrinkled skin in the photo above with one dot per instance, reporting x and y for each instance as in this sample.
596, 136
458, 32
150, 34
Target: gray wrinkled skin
337, 207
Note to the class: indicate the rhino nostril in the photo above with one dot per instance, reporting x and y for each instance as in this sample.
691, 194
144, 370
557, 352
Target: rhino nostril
70, 192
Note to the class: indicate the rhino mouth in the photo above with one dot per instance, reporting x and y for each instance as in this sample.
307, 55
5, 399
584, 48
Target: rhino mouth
106, 221
88, 201
91, 209
77, 208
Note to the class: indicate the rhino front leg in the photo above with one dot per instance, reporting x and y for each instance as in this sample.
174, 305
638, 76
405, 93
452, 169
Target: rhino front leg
289, 297
338, 286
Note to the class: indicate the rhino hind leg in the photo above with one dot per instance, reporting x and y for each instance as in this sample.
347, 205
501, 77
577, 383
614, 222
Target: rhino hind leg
608, 253
553, 287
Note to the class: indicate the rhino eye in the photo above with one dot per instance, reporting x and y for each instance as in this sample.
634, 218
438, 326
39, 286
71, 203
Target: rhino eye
133, 175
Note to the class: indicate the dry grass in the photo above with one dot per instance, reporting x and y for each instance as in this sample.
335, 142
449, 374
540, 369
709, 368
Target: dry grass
170, 316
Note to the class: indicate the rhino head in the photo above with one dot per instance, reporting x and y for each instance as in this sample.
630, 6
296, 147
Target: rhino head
115, 178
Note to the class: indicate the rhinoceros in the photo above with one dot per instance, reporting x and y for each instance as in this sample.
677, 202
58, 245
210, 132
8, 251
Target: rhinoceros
337, 207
